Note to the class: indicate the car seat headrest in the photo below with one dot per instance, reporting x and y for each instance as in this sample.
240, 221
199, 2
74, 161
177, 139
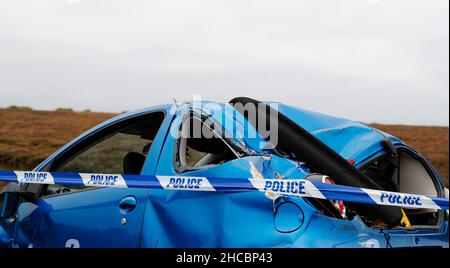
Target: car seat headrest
133, 163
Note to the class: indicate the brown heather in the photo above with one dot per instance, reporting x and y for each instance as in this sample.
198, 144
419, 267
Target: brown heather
27, 136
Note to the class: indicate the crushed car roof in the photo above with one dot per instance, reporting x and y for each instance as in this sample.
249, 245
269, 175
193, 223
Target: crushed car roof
351, 139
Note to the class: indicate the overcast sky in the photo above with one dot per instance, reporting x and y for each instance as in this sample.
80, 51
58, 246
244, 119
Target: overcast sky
369, 60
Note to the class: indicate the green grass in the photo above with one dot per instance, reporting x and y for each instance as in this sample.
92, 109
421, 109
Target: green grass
4, 168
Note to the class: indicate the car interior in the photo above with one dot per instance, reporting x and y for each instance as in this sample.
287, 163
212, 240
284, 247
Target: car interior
200, 150
406, 173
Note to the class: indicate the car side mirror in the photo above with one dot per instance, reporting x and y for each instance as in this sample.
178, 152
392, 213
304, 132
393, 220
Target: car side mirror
9, 202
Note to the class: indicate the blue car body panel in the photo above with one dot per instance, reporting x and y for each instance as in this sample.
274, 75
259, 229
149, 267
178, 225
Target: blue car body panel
93, 218
350, 139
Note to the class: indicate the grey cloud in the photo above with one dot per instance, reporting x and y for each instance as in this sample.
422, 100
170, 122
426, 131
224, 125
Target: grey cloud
384, 61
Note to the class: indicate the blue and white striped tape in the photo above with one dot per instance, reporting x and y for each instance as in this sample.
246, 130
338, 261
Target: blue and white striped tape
290, 187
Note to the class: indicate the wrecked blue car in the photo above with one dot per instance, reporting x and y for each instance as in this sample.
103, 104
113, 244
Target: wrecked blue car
233, 144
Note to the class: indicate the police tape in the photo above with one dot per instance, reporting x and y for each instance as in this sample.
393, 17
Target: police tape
288, 187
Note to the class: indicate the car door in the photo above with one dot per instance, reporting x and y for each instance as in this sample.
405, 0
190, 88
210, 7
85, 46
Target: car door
65, 216
208, 219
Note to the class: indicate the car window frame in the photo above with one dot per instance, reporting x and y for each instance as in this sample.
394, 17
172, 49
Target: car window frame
39, 188
191, 113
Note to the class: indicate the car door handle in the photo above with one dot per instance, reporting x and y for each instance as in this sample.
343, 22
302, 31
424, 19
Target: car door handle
127, 204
